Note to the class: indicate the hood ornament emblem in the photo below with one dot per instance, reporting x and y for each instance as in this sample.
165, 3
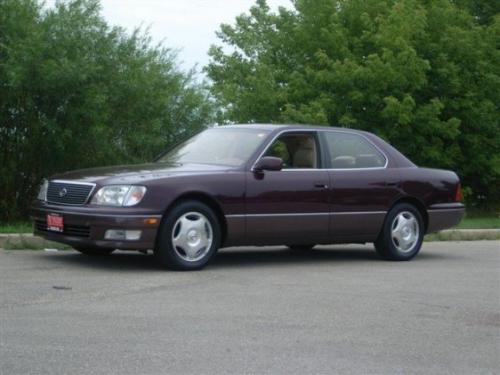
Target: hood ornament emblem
63, 192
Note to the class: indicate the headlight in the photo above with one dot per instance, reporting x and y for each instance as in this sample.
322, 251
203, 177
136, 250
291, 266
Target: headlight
119, 195
42, 193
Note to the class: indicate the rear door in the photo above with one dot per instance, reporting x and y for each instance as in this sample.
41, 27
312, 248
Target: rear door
362, 187
289, 206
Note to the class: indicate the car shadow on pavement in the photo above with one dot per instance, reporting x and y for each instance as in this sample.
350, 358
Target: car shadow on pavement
261, 256
232, 257
118, 261
334, 255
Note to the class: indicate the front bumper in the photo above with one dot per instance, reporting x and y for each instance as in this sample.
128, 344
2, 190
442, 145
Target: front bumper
444, 216
86, 227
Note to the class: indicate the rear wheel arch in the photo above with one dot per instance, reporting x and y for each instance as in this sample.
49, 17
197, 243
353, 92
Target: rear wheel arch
417, 203
402, 234
209, 201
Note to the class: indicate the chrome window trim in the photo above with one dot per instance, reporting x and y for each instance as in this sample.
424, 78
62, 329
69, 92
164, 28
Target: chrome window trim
252, 169
276, 137
73, 183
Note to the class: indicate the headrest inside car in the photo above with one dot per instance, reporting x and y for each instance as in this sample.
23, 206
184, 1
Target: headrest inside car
344, 162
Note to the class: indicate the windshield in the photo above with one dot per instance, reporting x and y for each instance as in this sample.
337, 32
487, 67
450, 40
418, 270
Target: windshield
230, 146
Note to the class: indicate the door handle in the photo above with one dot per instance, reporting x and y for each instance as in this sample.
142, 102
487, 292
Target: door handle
320, 185
391, 183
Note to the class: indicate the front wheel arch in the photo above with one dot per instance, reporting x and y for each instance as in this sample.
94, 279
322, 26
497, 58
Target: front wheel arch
203, 198
167, 252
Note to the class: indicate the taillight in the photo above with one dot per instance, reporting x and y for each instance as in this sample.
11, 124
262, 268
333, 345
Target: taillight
458, 193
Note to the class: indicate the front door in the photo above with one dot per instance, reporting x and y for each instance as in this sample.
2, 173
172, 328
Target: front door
289, 206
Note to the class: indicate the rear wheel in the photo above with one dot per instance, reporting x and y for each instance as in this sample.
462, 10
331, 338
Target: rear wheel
402, 235
95, 251
188, 237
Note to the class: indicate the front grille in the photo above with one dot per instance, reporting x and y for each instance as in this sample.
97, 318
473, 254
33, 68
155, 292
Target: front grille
70, 193
69, 230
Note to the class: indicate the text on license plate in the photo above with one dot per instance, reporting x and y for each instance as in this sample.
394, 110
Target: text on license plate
55, 223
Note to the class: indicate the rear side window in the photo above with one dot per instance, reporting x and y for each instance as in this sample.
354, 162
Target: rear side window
347, 151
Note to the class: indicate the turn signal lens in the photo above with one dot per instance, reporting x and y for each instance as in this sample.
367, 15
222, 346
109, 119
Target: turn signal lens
42, 193
458, 193
134, 196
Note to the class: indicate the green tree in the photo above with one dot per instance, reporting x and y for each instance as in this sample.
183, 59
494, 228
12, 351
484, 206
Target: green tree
422, 74
76, 93
483, 10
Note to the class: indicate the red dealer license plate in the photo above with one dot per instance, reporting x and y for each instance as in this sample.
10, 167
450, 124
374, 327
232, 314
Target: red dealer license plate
55, 223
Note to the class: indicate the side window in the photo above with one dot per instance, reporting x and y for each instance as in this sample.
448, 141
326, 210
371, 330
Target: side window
297, 150
279, 150
348, 150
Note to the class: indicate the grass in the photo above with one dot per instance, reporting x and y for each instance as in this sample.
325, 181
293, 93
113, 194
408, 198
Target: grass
486, 222
22, 227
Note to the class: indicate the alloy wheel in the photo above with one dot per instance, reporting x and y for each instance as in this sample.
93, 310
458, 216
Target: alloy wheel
405, 231
192, 236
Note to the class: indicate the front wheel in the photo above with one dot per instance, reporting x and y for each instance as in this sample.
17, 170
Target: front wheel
188, 237
402, 235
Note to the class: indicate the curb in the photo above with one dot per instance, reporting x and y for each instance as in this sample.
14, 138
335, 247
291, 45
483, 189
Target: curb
19, 241
26, 241
464, 235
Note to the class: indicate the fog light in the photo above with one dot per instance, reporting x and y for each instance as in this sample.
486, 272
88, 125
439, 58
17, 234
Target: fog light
122, 234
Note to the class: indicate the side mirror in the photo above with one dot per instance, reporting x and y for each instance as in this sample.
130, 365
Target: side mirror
268, 163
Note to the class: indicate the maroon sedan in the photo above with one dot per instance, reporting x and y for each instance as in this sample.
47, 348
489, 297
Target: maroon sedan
252, 185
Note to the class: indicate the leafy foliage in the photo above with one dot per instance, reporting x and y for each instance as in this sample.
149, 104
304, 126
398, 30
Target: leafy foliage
422, 74
77, 93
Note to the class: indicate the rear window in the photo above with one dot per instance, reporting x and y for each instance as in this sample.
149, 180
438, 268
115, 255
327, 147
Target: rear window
348, 151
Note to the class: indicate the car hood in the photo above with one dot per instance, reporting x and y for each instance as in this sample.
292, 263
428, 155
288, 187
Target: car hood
136, 173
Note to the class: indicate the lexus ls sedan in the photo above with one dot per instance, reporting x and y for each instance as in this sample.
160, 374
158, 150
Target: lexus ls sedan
238, 185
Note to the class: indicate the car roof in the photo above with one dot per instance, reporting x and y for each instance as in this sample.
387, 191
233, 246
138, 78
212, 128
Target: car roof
272, 127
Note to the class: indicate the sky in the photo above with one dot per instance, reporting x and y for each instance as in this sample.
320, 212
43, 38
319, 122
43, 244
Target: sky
187, 25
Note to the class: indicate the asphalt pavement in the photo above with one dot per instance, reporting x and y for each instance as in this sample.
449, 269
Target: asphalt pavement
338, 309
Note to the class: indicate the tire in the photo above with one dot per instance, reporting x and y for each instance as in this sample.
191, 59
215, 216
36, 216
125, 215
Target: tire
94, 251
188, 237
402, 234
301, 248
